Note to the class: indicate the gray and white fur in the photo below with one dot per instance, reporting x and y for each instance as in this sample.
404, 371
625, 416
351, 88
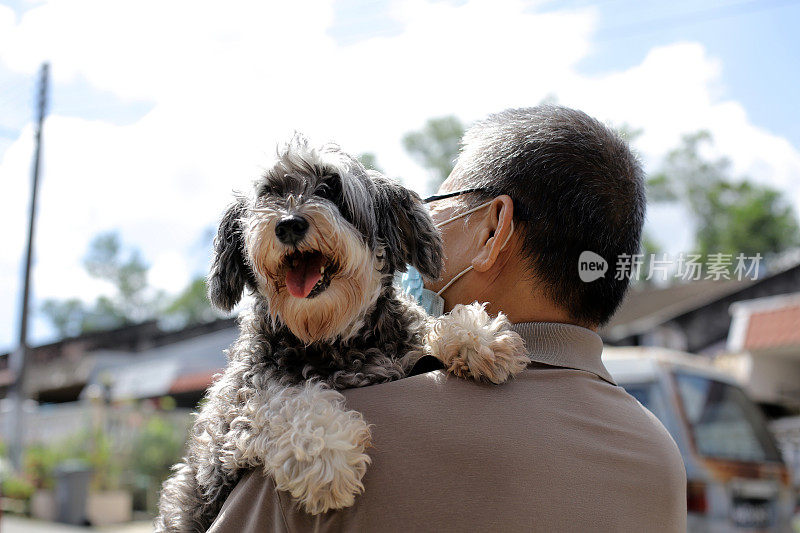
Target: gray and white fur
276, 405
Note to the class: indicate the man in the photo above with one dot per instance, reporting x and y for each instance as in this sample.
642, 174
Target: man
560, 447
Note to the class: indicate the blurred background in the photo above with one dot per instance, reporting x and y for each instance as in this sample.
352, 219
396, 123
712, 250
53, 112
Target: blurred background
154, 112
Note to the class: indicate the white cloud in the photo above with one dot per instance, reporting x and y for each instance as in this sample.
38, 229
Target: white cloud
677, 90
227, 82
169, 272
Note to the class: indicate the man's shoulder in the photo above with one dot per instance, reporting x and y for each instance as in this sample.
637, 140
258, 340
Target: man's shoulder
550, 427
663, 444
540, 392
547, 399
426, 382
529, 443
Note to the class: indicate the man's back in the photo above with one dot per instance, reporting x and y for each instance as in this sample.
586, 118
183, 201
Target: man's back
555, 449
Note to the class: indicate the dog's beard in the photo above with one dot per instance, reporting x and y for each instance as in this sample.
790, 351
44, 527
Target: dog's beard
336, 307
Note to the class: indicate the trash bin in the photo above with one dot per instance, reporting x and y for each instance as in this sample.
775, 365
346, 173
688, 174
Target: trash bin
72, 489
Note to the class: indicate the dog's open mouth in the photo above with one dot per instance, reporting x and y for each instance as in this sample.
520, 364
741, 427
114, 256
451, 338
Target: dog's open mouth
308, 273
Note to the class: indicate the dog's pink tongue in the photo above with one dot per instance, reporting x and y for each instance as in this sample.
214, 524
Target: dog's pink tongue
302, 278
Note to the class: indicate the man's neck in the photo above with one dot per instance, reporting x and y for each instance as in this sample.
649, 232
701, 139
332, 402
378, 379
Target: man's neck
514, 294
529, 307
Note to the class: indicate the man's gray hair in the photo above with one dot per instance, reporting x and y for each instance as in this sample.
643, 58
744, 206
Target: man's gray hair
576, 186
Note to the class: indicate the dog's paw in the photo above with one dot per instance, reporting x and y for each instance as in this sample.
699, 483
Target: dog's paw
470, 343
318, 449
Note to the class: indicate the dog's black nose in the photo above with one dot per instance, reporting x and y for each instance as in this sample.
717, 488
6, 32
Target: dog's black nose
291, 229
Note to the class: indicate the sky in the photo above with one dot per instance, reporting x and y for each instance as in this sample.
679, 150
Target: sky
159, 110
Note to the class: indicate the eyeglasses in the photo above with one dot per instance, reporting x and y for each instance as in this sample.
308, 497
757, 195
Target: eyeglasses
520, 213
435, 197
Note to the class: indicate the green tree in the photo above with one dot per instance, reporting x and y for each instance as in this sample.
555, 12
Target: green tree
730, 216
66, 316
436, 146
127, 272
746, 217
158, 446
133, 300
549, 99
628, 133
369, 161
650, 249
191, 305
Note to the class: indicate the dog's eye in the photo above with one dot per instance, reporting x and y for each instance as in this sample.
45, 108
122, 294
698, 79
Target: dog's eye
330, 189
266, 190
323, 191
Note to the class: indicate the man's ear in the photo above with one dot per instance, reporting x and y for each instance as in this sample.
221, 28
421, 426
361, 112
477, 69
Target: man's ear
406, 229
229, 271
499, 227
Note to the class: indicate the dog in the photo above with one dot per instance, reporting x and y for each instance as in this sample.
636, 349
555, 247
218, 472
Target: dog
316, 242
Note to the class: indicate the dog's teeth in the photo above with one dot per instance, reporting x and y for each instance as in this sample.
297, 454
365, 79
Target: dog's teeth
322, 269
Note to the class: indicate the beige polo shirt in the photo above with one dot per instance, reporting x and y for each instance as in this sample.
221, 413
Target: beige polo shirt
559, 448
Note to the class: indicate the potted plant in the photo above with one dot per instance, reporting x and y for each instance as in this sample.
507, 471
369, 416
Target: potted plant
38, 465
109, 502
16, 494
158, 447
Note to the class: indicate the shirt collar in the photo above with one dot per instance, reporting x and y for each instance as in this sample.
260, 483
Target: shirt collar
564, 345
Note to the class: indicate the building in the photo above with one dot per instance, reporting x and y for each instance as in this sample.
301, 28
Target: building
764, 349
147, 361
133, 362
693, 317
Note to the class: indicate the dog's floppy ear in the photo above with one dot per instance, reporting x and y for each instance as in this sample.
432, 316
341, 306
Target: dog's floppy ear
406, 228
229, 271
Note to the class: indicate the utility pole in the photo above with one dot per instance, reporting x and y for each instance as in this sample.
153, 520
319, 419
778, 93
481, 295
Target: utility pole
19, 359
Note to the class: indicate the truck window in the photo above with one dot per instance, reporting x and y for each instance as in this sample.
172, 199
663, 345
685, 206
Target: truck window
724, 422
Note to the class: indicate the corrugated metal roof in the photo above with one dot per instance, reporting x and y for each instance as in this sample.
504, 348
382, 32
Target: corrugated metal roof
153, 372
648, 307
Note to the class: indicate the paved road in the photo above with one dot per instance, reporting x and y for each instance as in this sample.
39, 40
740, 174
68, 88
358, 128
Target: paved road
16, 524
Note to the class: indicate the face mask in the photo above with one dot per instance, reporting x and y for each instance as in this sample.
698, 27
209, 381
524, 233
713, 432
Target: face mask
411, 281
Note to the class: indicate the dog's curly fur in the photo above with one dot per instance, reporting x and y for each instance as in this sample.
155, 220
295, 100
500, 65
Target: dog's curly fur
276, 406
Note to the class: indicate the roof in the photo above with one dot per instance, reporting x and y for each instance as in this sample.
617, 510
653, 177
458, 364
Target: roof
771, 329
196, 381
59, 370
645, 308
165, 369
766, 324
